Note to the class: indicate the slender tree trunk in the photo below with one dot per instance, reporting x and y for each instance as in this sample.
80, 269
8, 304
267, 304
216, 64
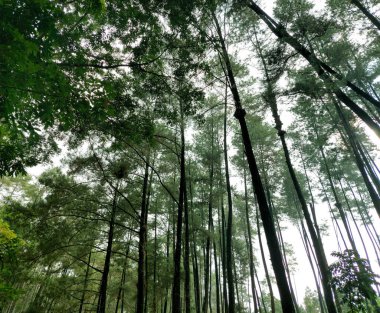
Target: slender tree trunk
365, 222
197, 294
371, 160
305, 242
354, 220
165, 306
120, 291
347, 227
264, 307
186, 258
369, 168
285, 260
333, 217
217, 282
317, 243
120, 295
269, 228
357, 229
85, 283
207, 254
141, 281
236, 278
207, 271
263, 259
155, 263
312, 204
321, 69
251, 288
337, 202
375, 21
368, 216
176, 291
230, 277
101, 308
250, 245
224, 262
355, 147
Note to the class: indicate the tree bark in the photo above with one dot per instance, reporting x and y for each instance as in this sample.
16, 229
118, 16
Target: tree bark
263, 259
197, 293
217, 281
322, 70
101, 308
230, 277
85, 283
375, 21
186, 257
250, 245
270, 98
317, 244
268, 223
209, 230
359, 162
141, 287
176, 291
120, 295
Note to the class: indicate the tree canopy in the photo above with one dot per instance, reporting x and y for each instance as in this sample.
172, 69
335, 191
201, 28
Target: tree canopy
214, 156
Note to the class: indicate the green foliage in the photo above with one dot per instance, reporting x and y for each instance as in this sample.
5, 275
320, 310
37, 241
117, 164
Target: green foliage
311, 303
10, 245
353, 279
110, 80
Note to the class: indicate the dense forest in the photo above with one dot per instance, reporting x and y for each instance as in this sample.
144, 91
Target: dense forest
199, 156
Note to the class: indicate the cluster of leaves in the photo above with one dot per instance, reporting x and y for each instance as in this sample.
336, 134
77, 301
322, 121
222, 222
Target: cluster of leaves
10, 246
353, 279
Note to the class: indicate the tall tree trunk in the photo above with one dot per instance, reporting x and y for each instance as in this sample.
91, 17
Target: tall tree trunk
357, 229
141, 280
317, 243
217, 281
240, 307
176, 291
322, 69
155, 263
120, 295
222, 235
367, 215
365, 222
250, 245
338, 204
101, 308
347, 228
207, 271
285, 260
263, 259
186, 257
269, 228
85, 283
224, 261
208, 244
230, 276
355, 149
370, 168
197, 293
305, 241
165, 306
375, 21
